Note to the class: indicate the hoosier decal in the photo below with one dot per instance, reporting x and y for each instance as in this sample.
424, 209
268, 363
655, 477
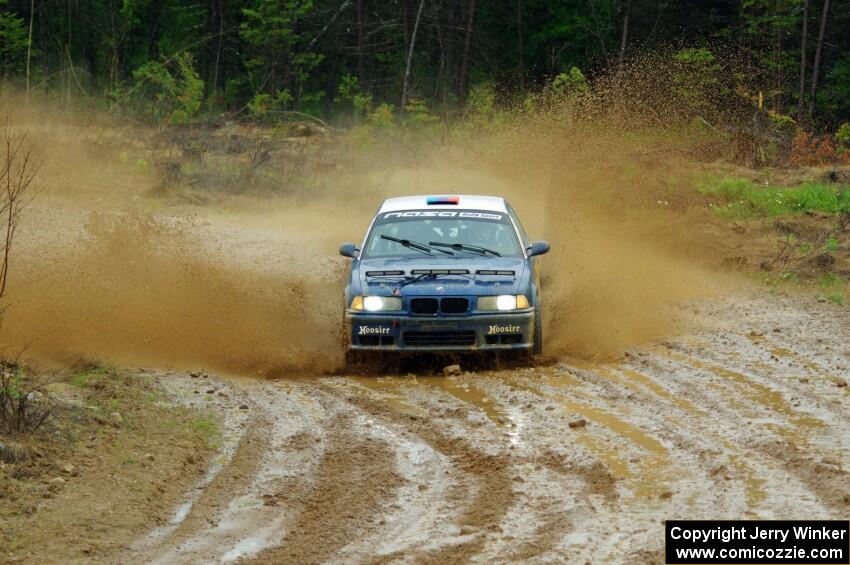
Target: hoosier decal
503, 330
370, 330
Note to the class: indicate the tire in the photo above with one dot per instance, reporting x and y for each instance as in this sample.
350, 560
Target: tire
537, 346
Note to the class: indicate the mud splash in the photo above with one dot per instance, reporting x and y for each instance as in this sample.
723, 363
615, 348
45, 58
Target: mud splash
134, 289
251, 283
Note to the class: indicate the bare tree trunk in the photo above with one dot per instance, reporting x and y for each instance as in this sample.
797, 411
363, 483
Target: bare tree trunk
155, 10
801, 98
777, 57
463, 85
439, 86
520, 67
624, 35
68, 50
405, 21
29, 47
360, 72
816, 66
217, 27
406, 84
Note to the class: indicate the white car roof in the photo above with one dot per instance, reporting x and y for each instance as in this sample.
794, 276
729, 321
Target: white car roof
465, 202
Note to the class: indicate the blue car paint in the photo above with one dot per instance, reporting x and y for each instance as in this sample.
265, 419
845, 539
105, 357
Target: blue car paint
390, 327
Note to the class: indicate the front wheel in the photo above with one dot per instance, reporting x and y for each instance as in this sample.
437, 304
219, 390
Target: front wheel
537, 346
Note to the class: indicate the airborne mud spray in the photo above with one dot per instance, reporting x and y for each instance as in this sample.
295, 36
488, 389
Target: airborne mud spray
252, 284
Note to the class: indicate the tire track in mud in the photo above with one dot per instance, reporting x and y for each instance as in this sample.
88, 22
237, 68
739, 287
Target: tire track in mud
353, 481
803, 441
232, 518
480, 499
243, 442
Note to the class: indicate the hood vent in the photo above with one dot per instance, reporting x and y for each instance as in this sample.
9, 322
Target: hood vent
384, 273
492, 272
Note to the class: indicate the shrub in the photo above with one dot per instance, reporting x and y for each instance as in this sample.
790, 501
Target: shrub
807, 150
481, 103
262, 104
21, 406
572, 83
842, 136
170, 91
349, 94
825, 153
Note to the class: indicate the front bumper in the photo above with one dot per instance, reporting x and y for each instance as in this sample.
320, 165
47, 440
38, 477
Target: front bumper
474, 332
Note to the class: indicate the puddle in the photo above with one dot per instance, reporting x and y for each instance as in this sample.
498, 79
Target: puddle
753, 486
607, 419
783, 352
391, 394
470, 394
658, 389
763, 395
646, 477
391, 391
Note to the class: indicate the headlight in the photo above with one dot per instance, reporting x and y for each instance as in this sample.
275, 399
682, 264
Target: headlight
376, 303
502, 302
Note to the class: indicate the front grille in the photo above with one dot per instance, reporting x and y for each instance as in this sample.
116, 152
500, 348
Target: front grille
438, 338
423, 306
454, 305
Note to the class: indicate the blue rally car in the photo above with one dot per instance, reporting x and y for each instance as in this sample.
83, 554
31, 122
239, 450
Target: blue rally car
444, 273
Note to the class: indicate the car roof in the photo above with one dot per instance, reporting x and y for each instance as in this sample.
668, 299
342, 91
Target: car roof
465, 202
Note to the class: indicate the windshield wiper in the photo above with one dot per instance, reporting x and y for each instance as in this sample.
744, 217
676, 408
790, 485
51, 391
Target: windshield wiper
416, 278
421, 247
427, 277
465, 247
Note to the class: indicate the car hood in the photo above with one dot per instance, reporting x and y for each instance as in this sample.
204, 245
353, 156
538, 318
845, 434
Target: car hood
472, 284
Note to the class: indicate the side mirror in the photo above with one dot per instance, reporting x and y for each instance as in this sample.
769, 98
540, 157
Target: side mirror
538, 248
349, 250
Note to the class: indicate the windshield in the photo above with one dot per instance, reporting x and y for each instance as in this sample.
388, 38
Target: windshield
465, 230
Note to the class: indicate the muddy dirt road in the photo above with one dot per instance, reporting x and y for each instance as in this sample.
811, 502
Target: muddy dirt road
567, 462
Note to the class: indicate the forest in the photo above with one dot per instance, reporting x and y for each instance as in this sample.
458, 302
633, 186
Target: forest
184, 60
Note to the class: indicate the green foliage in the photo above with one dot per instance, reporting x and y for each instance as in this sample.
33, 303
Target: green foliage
570, 84
481, 102
380, 125
262, 103
171, 91
349, 94
743, 199
835, 298
271, 55
382, 117
13, 42
835, 93
418, 117
207, 430
842, 136
22, 407
833, 286
783, 124
697, 78
274, 63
